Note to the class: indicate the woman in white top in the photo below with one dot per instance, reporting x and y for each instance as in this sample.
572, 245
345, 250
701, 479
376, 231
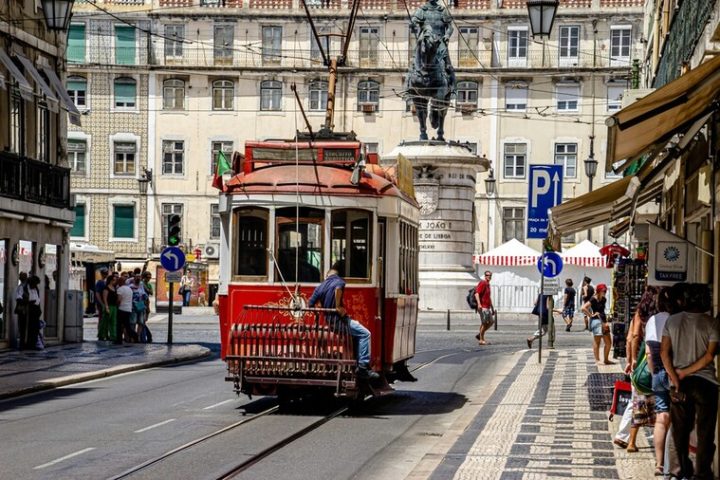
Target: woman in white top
34, 312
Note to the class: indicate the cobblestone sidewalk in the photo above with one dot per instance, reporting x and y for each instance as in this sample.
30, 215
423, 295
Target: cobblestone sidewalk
539, 424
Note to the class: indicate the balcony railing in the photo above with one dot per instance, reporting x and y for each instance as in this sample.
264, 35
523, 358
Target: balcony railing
33, 181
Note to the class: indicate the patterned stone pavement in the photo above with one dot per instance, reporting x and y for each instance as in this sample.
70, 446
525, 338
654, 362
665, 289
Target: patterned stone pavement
540, 423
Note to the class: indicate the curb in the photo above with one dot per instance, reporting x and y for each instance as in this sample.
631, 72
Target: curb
52, 384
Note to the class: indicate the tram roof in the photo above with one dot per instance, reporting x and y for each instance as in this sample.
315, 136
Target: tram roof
315, 180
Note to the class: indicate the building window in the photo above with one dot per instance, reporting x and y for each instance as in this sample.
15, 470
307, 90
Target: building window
318, 95
567, 97
515, 159
412, 43
125, 92
270, 95
468, 47
324, 41
368, 46
223, 92
517, 46
124, 45
223, 44
174, 37
372, 147
516, 95
569, 42
216, 148
78, 228
513, 224
615, 92
620, 41
77, 89
17, 122
566, 155
173, 157
271, 45
43, 133
124, 221
214, 221
368, 95
77, 152
467, 93
169, 209
76, 43
473, 146
124, 158
173, 94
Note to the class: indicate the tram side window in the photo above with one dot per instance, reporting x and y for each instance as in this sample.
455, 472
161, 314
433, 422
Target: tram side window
251, 242
350, 243
299, 243
408, 259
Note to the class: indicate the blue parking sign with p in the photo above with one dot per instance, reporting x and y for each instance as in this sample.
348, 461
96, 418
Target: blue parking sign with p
544, 192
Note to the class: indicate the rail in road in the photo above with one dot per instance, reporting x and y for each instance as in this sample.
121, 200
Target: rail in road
264, 453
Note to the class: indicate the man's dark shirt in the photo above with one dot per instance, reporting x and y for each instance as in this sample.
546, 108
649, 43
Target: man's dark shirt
325, 294
99, 287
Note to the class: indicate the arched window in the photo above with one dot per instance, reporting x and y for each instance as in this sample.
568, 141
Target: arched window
125, 90
173, 94
251, 242
467, 93
77, 89
318, 95
270, 95
368, 95
223, 92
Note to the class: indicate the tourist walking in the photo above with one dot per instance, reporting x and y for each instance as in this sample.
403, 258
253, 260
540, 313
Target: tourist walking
125, 311
21, 308
34, 311
568, 304
485, 307
107, 329
586, 293
542, 309
594, 309
689, 343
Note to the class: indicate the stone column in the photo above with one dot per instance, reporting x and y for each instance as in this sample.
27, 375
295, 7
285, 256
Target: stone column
445, 189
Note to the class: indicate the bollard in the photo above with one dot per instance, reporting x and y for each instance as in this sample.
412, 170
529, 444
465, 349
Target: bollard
448, 320
495, 315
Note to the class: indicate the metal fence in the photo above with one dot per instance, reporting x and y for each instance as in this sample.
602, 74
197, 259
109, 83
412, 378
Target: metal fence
34, 181
514, 298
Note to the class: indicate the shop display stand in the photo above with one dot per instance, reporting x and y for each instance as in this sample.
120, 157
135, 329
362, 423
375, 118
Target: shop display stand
629, 280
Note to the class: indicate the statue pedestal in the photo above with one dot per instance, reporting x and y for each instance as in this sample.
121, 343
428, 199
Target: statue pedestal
444, 180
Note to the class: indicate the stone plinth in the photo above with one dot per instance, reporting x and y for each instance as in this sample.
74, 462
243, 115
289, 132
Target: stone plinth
444, 178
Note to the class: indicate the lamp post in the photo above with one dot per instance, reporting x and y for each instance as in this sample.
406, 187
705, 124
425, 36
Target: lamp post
542, 16
57, 13
590, 170
145, 180
490, 184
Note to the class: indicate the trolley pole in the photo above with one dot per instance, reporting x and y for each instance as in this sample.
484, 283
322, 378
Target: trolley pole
170, 313
542, 308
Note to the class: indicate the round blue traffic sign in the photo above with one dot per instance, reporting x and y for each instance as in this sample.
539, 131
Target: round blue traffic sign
550, 264
172, 258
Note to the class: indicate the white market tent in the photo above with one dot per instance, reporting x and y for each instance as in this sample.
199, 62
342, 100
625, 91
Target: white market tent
585, 260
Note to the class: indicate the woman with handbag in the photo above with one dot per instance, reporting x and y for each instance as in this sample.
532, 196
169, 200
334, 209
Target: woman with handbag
599, 325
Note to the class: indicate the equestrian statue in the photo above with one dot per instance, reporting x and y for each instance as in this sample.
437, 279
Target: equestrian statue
430, 81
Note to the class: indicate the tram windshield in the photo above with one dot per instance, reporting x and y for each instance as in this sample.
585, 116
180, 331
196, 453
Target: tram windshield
299, 243
350, 243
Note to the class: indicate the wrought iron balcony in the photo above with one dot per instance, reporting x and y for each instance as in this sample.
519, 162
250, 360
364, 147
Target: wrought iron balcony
37, 182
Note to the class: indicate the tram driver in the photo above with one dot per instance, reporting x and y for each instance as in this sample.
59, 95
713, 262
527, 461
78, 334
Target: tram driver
330, 294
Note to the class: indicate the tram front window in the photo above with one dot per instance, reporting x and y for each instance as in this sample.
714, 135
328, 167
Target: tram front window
251, 242
300, 242
350, 243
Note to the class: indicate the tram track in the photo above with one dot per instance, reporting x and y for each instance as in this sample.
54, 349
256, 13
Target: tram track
266, 452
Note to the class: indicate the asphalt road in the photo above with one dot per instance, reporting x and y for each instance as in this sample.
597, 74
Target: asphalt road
102, 428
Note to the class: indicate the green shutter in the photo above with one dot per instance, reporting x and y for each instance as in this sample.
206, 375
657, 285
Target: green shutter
125, 92
78, 229
124, 45
76, 44
124, 221
77, 85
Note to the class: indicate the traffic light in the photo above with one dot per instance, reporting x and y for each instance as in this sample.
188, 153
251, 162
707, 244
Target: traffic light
173, 230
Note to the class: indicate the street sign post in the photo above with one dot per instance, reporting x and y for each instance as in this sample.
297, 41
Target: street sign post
545, 191
173, 260
550, 264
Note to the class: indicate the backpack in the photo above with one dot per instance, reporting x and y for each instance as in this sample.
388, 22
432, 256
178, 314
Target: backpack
471, 301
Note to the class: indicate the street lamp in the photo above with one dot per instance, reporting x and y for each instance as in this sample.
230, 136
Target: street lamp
57, 13
490, 184
590, 170
145, 180
542, 15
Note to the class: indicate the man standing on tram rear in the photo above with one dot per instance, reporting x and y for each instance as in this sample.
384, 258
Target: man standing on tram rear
330, 294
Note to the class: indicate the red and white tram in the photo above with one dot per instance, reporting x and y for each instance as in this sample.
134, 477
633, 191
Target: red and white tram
296, 208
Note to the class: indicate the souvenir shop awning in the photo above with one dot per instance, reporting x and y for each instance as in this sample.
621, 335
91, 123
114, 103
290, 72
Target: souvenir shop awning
648, 124
584, 254
512, 253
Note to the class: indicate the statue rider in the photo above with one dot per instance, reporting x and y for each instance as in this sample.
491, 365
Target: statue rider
429, 19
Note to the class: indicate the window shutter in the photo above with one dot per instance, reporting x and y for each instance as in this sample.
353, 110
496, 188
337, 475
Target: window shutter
77, 85
78, 229
77, 146
124, 221
76, 44
124, 45
125, 92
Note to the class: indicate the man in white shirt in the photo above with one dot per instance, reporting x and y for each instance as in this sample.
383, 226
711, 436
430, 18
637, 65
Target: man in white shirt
21, 307
125, 305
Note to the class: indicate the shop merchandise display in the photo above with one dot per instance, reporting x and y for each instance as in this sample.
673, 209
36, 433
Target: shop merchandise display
629, 279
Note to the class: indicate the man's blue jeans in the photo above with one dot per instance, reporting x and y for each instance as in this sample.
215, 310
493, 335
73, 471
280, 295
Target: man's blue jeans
362, 335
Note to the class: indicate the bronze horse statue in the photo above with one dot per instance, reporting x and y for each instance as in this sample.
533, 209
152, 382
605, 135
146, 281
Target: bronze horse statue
431, 82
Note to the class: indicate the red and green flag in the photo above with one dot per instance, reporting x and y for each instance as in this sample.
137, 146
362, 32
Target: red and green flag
223, 166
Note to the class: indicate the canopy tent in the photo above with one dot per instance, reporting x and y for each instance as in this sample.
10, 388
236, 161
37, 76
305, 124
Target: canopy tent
511, 253
584, 254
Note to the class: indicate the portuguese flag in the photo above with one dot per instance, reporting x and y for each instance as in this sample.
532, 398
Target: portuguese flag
223, 166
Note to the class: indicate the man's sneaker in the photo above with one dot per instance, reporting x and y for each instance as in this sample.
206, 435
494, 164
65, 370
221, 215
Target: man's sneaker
365, 373
567, 329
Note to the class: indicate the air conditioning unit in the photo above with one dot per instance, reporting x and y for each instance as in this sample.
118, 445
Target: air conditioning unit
211, 250
467, 108
368, 107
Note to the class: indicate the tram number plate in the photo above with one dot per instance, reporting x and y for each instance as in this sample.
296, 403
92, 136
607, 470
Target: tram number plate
174, 277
